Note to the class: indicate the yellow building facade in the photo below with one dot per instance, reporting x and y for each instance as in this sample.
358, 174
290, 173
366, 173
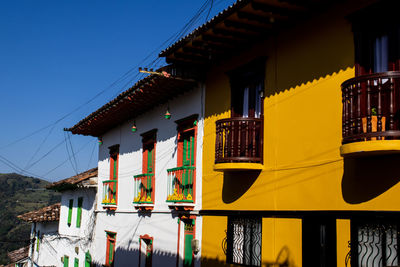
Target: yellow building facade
325, 192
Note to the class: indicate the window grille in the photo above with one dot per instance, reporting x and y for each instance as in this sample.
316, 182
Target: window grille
244, 241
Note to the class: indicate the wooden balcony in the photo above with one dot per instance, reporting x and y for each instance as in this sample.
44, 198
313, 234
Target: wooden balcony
238, 144
181, 186
109, 199
143, 198
371, 114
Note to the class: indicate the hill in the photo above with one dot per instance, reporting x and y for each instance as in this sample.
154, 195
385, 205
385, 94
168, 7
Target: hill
19, 194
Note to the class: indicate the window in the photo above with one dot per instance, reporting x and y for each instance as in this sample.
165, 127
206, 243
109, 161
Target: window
76, 262
244, 241
65, 261
189, 234
181, 180
79, 212
70, 206
247, 89
374, 244
377, 39
144, 183
88, 259
146, 251
110, 187
110, 249
37, 240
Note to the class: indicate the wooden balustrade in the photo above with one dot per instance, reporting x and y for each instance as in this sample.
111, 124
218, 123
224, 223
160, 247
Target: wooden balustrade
181, 184
143, 188
239, 140
371, 107
109, 192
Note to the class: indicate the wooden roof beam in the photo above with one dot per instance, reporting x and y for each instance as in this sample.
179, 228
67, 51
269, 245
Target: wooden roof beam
283, 10
267, 19
247, 26
223, 39
230, 32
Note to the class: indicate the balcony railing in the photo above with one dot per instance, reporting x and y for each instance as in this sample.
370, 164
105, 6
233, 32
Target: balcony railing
181, 184
109, 192
238, 140
143, 188
371, 107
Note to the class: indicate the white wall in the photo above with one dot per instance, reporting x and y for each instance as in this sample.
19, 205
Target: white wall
88, 206
160, 223
47, 253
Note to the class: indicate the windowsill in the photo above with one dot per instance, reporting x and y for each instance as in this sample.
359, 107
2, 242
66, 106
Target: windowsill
181, 205
144, 206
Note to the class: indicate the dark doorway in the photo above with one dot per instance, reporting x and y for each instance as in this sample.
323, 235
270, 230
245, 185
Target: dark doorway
319, 241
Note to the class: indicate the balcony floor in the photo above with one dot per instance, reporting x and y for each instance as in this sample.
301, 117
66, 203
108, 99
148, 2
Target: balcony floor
238, 166
375, 147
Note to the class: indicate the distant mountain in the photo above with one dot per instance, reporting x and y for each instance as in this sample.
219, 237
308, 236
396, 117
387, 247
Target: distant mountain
20, 194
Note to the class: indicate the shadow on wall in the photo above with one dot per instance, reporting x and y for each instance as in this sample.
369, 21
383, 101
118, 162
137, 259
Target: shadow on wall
236, 184
126, 257
366, 178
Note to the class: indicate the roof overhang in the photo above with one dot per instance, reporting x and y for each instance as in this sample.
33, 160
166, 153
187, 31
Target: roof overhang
237, 27
151, 91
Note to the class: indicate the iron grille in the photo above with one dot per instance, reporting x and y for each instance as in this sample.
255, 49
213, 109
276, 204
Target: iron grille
244, 241
377, 245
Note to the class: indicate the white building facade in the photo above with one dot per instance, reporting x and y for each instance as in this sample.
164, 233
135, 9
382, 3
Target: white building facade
149, 174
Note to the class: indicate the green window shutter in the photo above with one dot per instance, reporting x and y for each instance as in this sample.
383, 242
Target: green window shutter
79, 213
66, 261
192, 150
111, 253
71, 203
76, 262
150, 160
37, 241
88, 259
188, 251
115, 168
185, 150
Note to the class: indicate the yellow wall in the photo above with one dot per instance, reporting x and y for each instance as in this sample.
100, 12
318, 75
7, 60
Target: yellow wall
281, 242
303, 169
343, 237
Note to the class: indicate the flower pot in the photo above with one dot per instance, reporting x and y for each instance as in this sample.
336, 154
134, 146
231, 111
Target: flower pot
374, 124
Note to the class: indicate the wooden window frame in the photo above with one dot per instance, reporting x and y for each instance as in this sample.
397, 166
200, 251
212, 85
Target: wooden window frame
184, 126
114, 167
149, 138
241, 77
149, 240
111, 238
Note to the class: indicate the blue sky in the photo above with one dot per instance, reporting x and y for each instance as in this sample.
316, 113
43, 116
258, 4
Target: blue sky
57, 56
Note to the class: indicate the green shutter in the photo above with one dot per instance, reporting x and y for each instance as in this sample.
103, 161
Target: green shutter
79, 213
115, 167
111, 253
188, 251
185, 154
88, 259
66, 261
76, 262
37, 241
150, 160
71, 203
192, 150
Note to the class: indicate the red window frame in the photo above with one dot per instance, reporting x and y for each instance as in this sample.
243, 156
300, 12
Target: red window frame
111, 240
149, 249
149, 140
187, 126
114, 166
